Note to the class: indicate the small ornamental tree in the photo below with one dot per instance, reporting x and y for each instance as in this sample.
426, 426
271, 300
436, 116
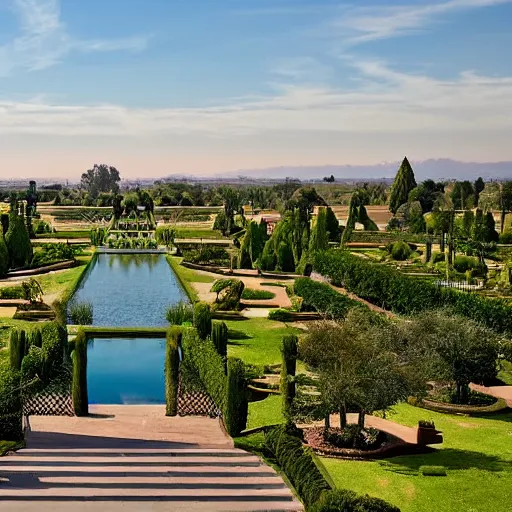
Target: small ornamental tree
403, 184
288, 369
235, 414
203, 319
319, 239
18, 242
220, 337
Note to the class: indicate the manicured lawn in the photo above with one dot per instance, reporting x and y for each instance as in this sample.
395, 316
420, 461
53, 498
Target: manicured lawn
199, 232
265, 412
477, 454
257, 340
65, 235
506, 372
188, 276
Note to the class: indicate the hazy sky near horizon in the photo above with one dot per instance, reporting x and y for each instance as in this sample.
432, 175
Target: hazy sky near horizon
156, 87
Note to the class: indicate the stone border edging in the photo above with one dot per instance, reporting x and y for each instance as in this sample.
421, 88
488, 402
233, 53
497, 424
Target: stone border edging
467, 410
61, 265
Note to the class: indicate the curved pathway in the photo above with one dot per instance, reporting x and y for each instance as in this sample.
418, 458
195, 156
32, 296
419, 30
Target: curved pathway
134, 458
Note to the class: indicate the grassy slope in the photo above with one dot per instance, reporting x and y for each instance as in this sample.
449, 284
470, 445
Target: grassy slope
265, 412
477, 453
506, 372
257, 340
188, 276
198, 232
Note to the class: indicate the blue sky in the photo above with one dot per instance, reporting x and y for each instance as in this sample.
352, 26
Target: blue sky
199, 86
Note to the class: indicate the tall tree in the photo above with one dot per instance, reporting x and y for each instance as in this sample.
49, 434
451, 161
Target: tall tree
101, 178
463, 195
319, 239
402, 186
427, 193
505, 201
478, 187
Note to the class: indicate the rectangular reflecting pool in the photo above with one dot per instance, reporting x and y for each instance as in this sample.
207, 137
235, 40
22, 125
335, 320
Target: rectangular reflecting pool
130, 290
126, 371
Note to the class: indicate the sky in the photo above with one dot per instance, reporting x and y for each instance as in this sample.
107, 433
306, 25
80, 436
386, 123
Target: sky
159, 87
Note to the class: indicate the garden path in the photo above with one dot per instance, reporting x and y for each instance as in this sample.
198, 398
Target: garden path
134, 458
504, 392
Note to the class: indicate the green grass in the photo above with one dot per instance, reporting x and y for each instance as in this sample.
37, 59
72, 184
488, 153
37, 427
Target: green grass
257, 340
187, 276
477, 455
265, 412
199, 232
9, 446
252, 294
121, 332
505, 373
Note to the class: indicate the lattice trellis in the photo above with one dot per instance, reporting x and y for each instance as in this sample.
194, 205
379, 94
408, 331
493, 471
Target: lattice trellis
54, 400
196, 403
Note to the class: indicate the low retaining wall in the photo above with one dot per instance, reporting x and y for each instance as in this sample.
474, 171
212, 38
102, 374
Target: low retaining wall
62, 265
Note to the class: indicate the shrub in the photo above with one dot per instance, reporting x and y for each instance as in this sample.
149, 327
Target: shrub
280, 315
464, 263
4, 257
16, 350
400, 251
81, 313
32, 365
12, 292
298, 465
220, 337
235, 413
54, 343
179, 313
203, 319
426, 424
288, 368
252, 294
322, 298
506, 238
79, 386
343, 500
165, 235
52, 253
98, 236
433, 470
229, 292
10, 406
18, 242
401, 294
172, 364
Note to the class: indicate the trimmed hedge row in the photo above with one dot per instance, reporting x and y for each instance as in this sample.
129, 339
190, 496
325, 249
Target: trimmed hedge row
288, 369
389, 289
322, 298
79, 386
172, 365
298, 464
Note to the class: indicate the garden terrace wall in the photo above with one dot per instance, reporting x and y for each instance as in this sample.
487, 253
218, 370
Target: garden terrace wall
391, 290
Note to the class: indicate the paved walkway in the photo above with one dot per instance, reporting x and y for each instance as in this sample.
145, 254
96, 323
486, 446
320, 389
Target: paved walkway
504, 392
133, 458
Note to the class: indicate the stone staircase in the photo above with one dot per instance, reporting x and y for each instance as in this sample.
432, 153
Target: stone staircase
77, 471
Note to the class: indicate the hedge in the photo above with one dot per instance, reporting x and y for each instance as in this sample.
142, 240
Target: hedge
10, 406
18, 242
298, 465
4, 255
16, 350
322, 298
288, 369
54, 344
203, 319
172, 364
389, 289
220, 337
79, 387
342, 500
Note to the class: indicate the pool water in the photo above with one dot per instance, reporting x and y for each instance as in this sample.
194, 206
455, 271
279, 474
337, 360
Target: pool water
130, 290
126, 371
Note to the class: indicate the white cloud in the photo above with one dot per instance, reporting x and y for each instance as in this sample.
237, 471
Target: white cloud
44, 39
387, 102
364, 24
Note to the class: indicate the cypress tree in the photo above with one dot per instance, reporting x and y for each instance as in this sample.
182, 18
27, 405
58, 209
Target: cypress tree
172, 365
288, 369
37, 338
16, 350
333, 226
403, 184
79, 385
235, 413
353, 214
285, 260
220, 337
365, 220
18, 242
4, 256
319, 240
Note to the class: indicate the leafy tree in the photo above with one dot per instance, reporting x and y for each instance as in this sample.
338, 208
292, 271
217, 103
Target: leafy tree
233, 200
410, 217
427, 193
402, 186
463, 195
101, 178
252, 244
18, 242
329, 179
478, 187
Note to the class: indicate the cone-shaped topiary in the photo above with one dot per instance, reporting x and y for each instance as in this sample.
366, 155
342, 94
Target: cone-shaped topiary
172, 365
235, 413
288, 368
203, 319
403, 184
18, 242
79, 357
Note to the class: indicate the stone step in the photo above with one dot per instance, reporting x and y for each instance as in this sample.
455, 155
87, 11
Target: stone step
185, 451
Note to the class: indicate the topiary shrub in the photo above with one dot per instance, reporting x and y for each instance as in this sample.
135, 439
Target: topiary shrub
203, 319
4, 257
220, 337
18, 242
172, 365
400, 251
288, 368
464, 263
37, 339
79, 386
54, 343
253, 294
32, 365
229, 293
16, 350
235, 413
343, 500
285, 261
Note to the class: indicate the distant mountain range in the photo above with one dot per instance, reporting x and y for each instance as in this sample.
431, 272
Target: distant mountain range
436, 169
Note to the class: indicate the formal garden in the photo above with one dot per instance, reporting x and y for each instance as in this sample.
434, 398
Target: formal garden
342, 354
